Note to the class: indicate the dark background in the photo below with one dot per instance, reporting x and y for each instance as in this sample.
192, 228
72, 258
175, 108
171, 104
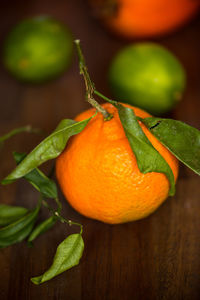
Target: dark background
155, 258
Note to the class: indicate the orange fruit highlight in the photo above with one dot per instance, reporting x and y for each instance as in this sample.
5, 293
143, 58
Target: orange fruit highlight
145, 18
99, 176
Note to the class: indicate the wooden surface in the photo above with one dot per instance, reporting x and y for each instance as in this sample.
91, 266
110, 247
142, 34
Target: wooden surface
155, 258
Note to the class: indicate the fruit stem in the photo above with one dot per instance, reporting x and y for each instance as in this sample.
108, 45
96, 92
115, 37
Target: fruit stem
69, 222
105, 98
15, 131
57, 214
90, 88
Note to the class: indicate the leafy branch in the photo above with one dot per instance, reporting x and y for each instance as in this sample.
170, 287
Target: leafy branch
18, 223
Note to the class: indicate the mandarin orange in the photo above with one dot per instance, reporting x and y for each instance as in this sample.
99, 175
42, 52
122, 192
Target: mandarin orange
145, 18
99, 176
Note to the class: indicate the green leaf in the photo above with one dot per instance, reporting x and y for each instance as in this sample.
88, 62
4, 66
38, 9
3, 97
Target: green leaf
181, 139
67, 256
41, 182
9, 214
19, 230
19, 237
148, 158
42, 227
48, 149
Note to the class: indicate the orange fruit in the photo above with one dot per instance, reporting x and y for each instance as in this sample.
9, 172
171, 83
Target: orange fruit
99, 176
145, 18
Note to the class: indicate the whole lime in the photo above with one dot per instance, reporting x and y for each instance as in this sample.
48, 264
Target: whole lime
38, 49
148, 76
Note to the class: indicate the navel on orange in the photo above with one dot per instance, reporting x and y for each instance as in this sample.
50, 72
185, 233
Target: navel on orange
99, 176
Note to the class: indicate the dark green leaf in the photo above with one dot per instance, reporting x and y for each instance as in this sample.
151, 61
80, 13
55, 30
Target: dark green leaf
9, 214
42, 183
181, 139
19, 230
148, 158
41, 228
17, 238
67, 256
48, 149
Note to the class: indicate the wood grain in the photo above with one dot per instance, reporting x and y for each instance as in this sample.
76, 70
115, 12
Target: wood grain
155, 258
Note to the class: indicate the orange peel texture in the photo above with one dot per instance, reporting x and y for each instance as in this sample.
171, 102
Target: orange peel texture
99, 176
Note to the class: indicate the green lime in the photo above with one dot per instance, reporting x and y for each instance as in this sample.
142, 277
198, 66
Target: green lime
148, 76
38, 49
